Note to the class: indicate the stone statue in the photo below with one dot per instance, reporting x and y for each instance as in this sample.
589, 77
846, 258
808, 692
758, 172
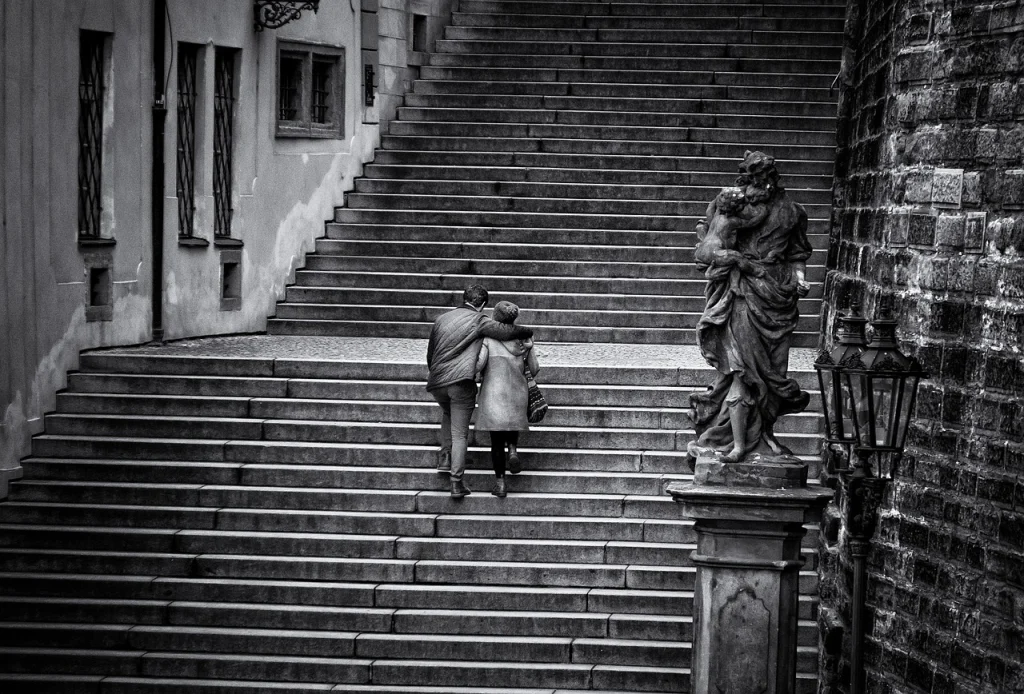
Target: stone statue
753, 249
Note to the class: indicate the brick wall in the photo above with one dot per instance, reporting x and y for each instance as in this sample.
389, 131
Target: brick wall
929, 206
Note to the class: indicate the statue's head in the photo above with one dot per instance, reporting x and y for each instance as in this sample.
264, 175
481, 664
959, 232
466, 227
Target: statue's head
758, 177
730, 200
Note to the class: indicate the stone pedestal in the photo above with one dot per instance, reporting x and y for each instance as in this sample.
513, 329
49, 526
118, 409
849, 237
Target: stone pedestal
748, 562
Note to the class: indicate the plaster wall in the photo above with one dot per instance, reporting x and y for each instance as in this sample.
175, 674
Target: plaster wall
282, 192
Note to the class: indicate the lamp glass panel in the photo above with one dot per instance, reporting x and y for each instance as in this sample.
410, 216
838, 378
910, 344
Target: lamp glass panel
858, 398
827, 406
906, 409
884, 401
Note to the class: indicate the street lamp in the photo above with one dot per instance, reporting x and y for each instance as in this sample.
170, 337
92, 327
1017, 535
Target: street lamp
872, 387
837, 401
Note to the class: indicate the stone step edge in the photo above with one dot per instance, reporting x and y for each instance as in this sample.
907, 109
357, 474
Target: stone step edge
416, 404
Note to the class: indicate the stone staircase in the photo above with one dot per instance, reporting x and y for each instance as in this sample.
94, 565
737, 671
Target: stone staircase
260, 514
195, 518
560, 153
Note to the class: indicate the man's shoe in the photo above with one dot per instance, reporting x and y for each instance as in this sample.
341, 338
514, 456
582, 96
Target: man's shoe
444, 461
499, 488
514, 466
459, 490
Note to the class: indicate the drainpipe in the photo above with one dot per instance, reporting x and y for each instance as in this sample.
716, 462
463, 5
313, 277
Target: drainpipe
157, 172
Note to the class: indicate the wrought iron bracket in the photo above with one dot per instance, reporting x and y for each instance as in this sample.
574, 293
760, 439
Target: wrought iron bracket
273, 14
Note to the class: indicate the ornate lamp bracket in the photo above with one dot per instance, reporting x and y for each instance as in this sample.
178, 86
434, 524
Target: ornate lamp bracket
272, 14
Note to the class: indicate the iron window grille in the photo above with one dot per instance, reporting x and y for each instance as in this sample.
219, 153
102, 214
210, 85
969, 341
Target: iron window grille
91, 93
223, 138
310, 91
188, 58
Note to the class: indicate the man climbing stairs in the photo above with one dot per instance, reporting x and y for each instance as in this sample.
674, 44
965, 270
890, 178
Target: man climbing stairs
260, 513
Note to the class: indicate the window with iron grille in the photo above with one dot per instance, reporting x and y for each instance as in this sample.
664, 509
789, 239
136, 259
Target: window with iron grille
188, 58
223, 138
91, 93
311, 91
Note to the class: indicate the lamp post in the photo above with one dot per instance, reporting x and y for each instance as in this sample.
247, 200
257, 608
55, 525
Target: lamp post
870, 397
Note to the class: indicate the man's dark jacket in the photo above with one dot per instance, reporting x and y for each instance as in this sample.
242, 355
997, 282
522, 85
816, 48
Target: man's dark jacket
455, 344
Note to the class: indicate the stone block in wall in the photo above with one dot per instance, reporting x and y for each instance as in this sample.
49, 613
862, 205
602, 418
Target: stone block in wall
960, 275
919, 186
921, 230
1002, 100
896, 226
974, 232
947, 187
919, 28
391, 51
949, 231
393, 23
1013, 188
986, 144
972, 188
913, 65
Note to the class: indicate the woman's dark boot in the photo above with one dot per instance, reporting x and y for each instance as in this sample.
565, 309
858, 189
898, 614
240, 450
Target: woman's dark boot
514, 466
499, 490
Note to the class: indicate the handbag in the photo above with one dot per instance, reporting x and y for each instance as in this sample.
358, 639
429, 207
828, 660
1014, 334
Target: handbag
536, 405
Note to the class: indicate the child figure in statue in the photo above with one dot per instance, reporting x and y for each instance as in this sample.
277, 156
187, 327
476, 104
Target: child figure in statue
733, 212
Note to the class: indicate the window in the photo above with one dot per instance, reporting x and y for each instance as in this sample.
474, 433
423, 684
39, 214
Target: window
223, 138
91, 93
310, 91
188, 55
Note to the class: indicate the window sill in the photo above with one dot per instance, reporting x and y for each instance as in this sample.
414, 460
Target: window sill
300, 130
227, 242
193, 242
95, 242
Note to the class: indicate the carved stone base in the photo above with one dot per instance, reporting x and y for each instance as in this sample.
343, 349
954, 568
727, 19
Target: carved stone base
748, 562
758, 473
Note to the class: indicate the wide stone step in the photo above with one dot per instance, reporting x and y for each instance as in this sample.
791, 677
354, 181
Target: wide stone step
624, 75
735, 91
677, 136
684, 239
381, 433
749, 35
457, 281
607, 177
326, 453
613, 118
535, 317
604, 62
427, 297
398, 214
194, 386
621, 162
558, 270
642, 9
77, 684
679, 195
746, 21
651, 107
604, 146
383, 329
524, 251
461, 204
122, 388
292, 366
508, 44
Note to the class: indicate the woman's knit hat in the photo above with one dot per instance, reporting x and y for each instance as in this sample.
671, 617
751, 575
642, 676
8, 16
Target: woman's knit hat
506, 312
